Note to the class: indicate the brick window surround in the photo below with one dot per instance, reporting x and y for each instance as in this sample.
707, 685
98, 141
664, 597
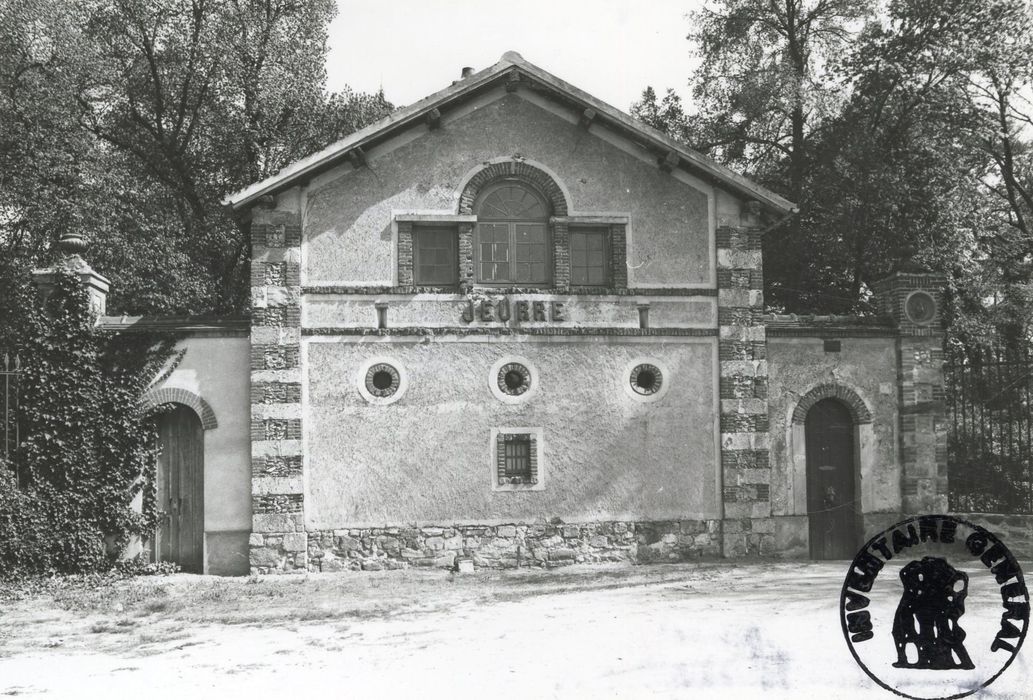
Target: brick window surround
558, 228
517, 459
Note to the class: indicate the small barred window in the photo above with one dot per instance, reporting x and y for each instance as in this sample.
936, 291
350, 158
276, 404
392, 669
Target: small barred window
518, 461
515, 465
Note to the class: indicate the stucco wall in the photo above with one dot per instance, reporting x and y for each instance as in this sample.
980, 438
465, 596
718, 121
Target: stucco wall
426, 458
348, 232
867, 366
216, 369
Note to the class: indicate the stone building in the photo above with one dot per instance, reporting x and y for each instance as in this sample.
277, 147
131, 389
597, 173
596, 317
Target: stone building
511, 324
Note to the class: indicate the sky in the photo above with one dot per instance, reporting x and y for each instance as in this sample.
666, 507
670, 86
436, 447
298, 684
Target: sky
612, 49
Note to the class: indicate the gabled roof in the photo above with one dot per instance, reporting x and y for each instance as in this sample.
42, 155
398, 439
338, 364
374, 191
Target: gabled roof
513, 70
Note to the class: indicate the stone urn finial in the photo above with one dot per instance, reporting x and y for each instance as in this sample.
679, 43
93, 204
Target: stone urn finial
70, 247
72, 244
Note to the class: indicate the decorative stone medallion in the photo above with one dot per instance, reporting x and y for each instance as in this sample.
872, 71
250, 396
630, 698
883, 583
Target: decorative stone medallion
920, 308
513, 378
382, 380
645, 379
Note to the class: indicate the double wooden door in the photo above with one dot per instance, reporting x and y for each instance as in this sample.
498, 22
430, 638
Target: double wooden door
831, 502
180, 490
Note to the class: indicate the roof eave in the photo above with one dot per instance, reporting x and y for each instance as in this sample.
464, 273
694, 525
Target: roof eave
337, 151
333, 154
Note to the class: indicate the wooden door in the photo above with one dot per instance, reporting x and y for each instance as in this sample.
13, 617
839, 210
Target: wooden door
831, 504
180, 489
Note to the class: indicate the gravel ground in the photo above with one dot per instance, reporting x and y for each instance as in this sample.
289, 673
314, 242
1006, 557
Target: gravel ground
715, 630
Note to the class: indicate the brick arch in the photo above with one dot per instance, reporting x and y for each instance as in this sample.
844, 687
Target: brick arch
157, 397
845, 395
518, 169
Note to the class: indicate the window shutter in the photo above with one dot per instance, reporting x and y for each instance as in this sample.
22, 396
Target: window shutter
500, 458
533, 458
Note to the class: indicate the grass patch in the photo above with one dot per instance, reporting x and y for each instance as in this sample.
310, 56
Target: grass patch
170, 634
121, 626
162, 603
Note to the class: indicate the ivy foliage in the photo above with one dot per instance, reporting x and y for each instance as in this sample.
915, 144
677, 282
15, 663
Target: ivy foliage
82, 483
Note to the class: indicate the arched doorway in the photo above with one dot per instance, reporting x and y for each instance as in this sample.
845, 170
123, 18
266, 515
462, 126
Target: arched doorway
180, 489
831, 471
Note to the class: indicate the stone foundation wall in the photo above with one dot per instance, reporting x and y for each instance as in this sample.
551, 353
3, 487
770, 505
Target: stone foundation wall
491, 547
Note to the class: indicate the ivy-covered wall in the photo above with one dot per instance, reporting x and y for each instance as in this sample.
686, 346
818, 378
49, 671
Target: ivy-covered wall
86, 453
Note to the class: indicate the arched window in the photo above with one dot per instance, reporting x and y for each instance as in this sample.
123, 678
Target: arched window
512, 245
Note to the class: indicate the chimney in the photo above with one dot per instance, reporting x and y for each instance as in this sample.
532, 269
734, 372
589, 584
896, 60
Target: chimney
71, 247
467, 72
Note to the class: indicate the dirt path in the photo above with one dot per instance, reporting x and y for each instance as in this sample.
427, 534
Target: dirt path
747, 631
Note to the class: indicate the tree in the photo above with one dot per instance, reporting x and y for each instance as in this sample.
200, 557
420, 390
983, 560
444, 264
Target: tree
43, 153
144, 114
962, 71
763, 90
206, 96
903, 136
763, 84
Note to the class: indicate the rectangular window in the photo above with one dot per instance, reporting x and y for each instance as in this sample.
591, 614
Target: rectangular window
514, 253
589, 258
435, 261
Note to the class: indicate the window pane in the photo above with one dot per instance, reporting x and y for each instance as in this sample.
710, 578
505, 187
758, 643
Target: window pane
596, 276
494, 252
494, 272
434, 257
588, 258
511, 200
531, 248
